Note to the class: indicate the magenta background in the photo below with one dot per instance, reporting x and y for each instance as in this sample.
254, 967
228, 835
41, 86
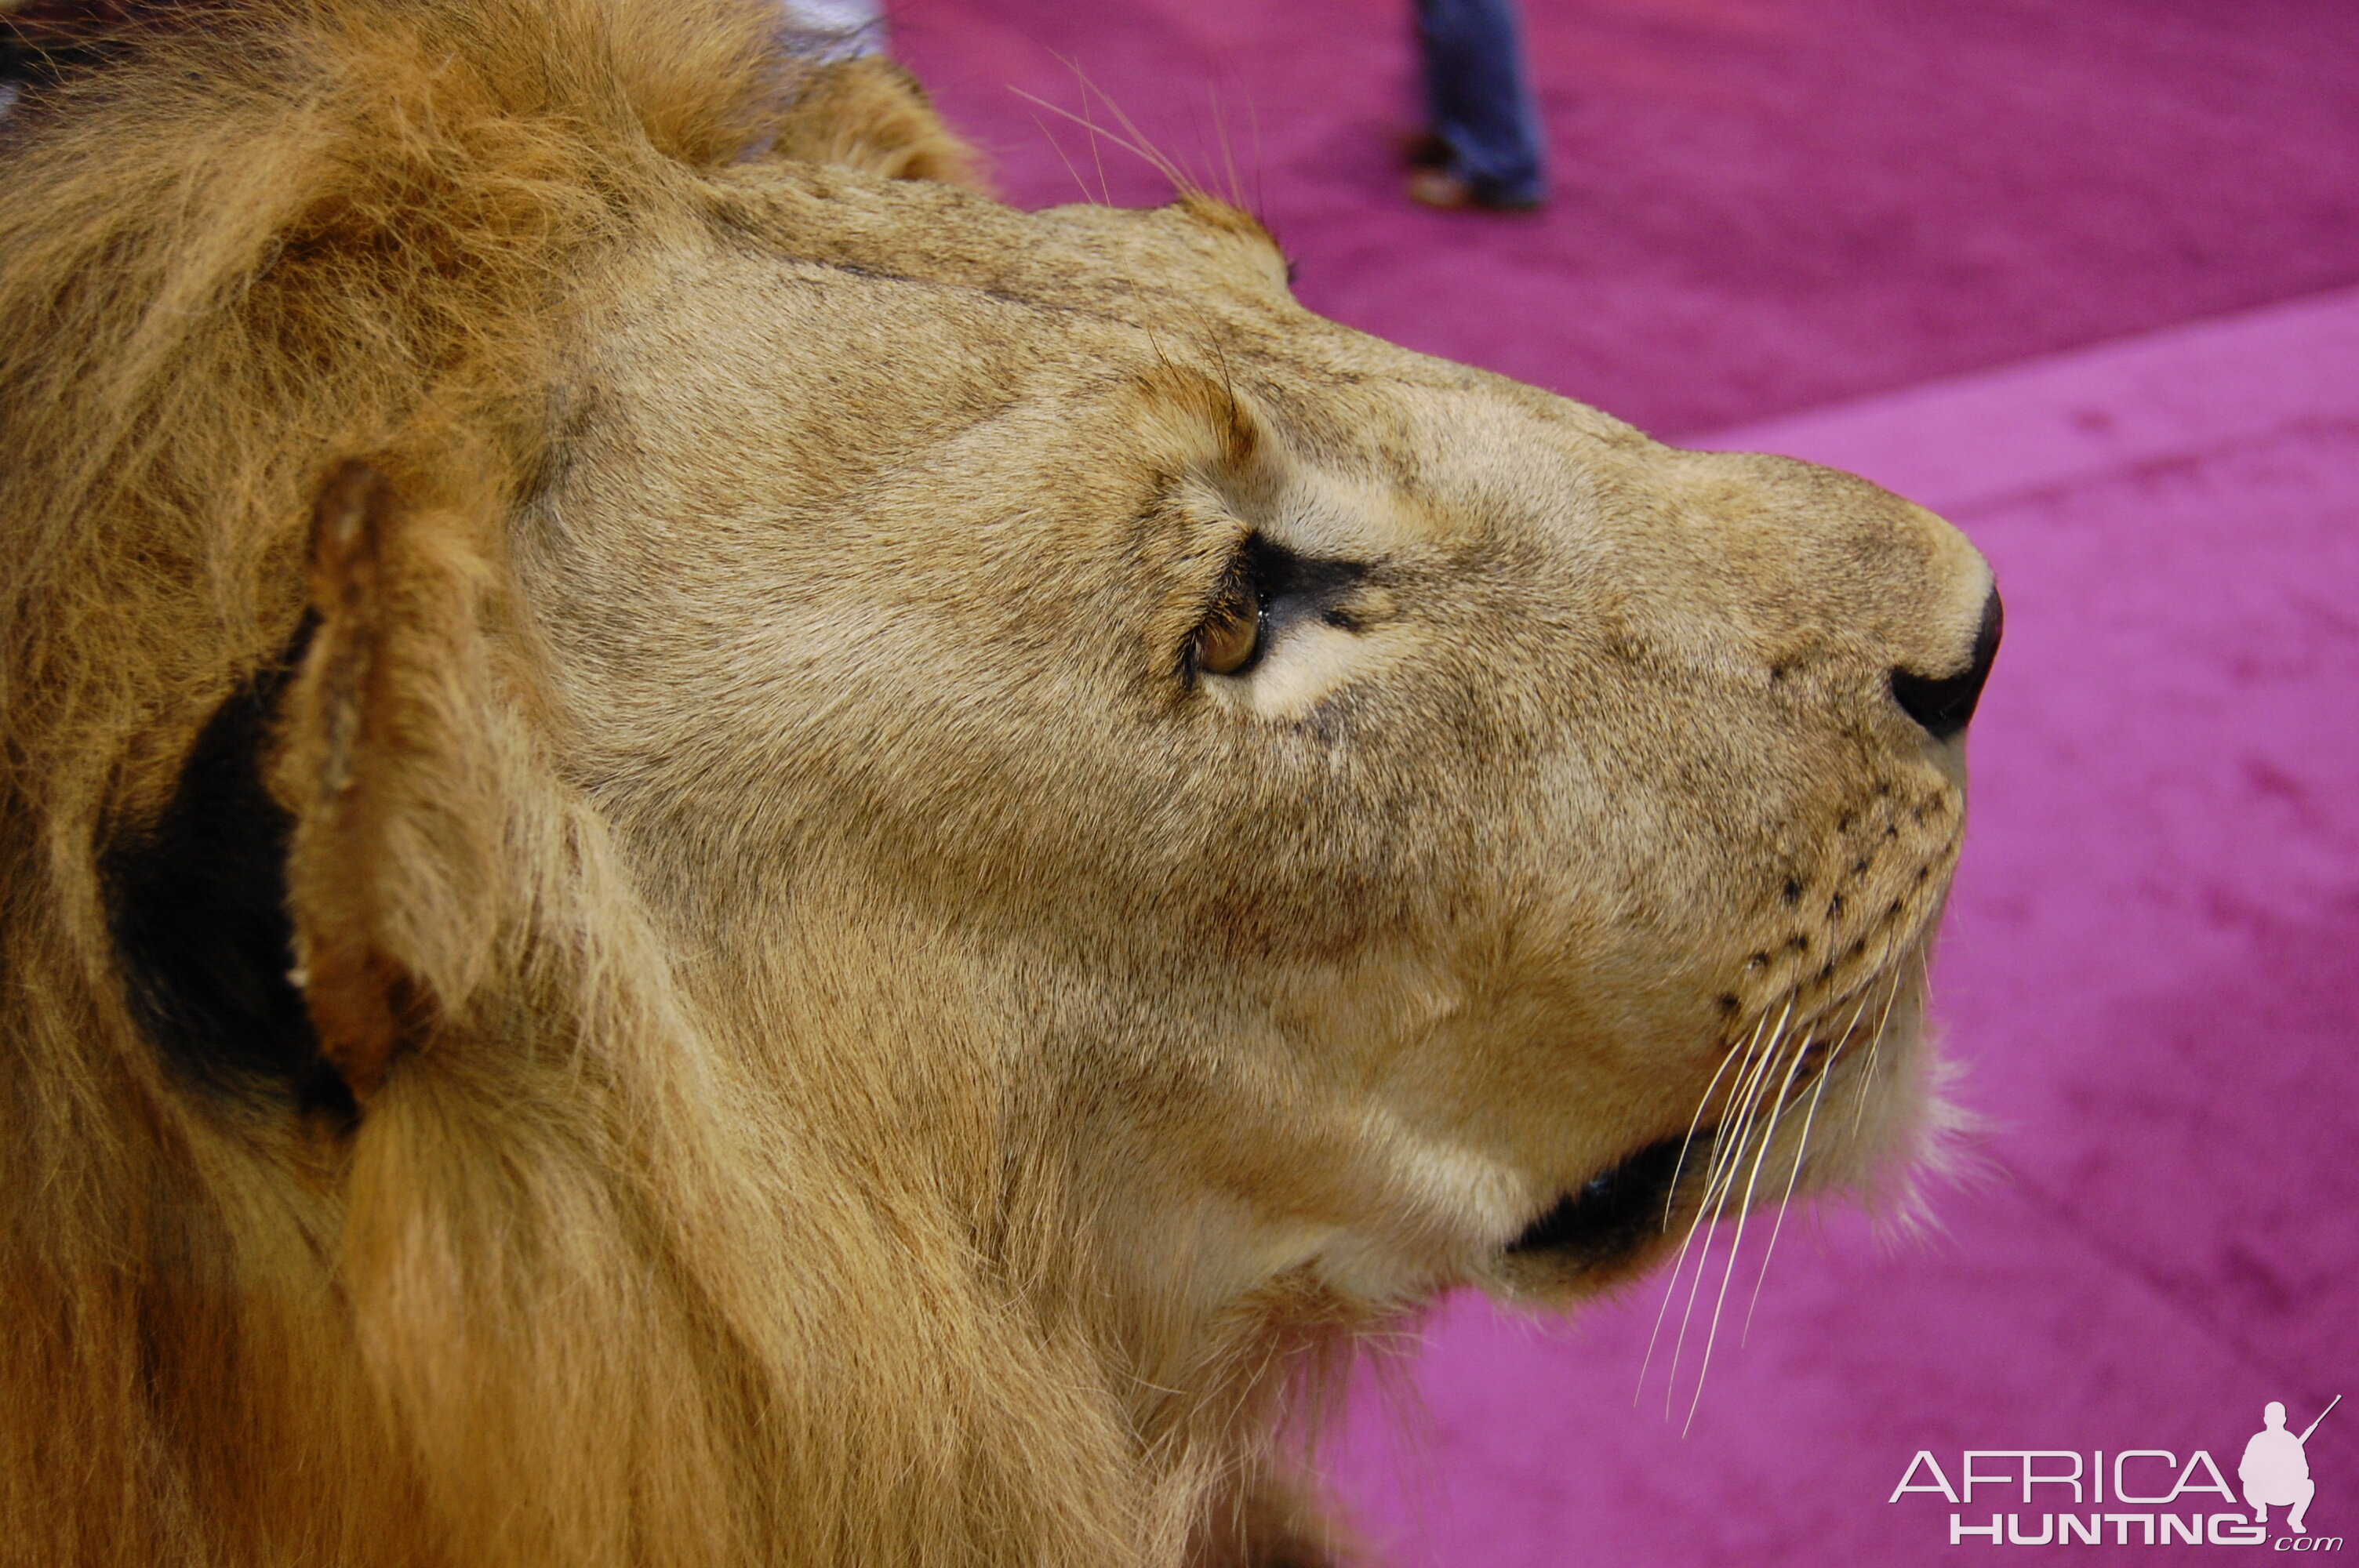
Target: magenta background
2080, 273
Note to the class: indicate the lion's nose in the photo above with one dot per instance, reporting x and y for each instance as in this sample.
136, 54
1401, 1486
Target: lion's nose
1943, 704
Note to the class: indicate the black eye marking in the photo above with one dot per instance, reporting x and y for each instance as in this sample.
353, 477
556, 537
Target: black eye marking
1281, 588
1295, 588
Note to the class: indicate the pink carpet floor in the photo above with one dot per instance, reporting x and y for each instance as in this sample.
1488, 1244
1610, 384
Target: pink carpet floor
2081, 275
1762, 205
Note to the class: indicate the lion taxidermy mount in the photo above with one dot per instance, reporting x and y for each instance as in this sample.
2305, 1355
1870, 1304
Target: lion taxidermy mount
715, 854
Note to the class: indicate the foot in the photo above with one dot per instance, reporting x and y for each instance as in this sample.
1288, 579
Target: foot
1440, 188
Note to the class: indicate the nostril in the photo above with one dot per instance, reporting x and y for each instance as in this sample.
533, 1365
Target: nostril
1943, 704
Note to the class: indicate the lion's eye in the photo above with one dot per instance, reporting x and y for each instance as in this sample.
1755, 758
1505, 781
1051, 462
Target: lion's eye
1232, 633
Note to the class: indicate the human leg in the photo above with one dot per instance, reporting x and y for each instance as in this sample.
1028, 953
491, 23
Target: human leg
840, 27
1479, 99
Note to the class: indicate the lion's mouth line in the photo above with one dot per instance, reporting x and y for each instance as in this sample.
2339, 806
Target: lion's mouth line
1777, 1068
1617, 1211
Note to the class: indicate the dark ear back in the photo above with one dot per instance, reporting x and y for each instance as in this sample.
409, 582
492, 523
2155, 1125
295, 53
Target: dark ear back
869, 113
394, 871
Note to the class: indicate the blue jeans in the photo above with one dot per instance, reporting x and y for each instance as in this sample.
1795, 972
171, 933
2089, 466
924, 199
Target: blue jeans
1478, 97
835, 29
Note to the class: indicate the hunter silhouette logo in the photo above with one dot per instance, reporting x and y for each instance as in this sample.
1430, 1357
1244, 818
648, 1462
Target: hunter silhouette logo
2155, 1499
2276, 1467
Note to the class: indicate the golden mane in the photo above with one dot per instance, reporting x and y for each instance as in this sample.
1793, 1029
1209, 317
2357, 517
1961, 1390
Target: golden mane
310, 230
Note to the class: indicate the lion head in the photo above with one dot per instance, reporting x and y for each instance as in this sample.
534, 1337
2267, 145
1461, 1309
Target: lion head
711, 857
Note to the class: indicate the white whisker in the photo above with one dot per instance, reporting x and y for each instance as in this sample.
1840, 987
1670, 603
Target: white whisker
1670, 1290
1742, 1096
1720, 1183
1671, 1287
1734, 1152
1687, 1244
1801, 1148
1743, 1213
1874, 1049
1680, 1166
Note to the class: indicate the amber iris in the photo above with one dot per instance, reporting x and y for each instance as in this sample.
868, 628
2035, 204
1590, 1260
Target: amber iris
1231, 635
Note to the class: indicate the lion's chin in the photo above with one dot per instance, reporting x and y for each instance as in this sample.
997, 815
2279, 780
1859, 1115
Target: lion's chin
1835, 1107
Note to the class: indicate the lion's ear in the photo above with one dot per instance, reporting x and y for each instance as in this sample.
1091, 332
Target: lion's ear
388, 762
871, 114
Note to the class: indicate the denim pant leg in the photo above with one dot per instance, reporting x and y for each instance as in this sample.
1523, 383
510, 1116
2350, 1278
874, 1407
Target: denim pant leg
1479, 96
834, 29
